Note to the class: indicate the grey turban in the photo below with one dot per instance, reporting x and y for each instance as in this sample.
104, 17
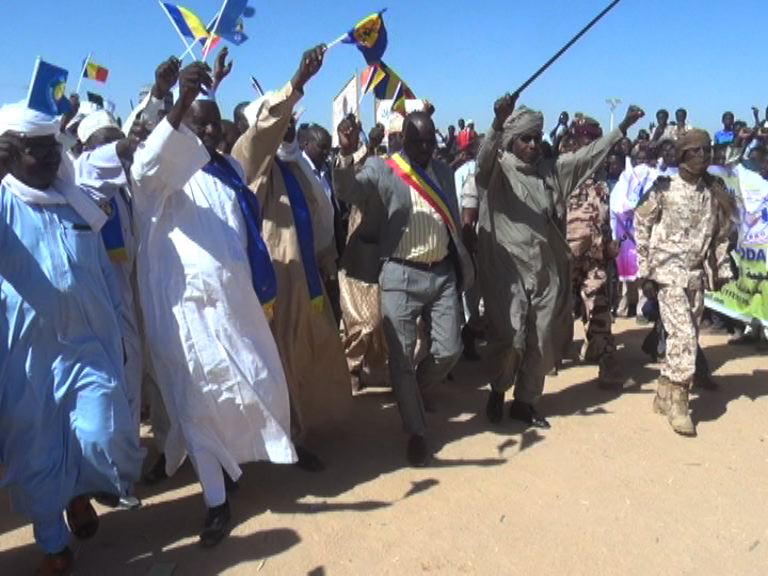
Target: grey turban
522, 121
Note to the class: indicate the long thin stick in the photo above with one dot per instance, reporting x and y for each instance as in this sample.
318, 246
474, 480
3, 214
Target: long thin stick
338, 40
82, 72
173, 23
212, 33
562, 50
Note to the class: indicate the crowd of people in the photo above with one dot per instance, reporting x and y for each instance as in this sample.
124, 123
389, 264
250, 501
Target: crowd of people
235, 282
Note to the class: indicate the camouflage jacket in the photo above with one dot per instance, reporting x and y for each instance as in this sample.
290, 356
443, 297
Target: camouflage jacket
680, 229
589, 227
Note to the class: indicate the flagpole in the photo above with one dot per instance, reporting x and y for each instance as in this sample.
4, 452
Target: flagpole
82, 72
562, 50
336, 42
212, 33
183, 40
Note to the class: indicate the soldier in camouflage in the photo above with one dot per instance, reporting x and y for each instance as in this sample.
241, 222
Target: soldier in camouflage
592, 248
682, 223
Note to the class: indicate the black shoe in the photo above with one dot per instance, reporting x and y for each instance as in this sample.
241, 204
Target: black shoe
705, 382
527, 413
216, 526
494, 409
308, 461
470, 348
230, 485
418, 453
82, 518
156, 474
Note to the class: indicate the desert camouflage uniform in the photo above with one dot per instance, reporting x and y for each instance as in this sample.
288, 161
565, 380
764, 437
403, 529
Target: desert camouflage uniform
679, 228
589, 236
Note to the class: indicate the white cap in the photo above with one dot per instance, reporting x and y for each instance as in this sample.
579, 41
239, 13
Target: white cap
19, 118
395, 124
94, 122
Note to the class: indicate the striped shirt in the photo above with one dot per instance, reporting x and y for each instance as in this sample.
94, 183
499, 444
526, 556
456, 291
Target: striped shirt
425, 239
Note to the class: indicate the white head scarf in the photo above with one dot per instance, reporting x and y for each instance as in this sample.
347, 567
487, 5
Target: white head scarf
94, 122
18, 118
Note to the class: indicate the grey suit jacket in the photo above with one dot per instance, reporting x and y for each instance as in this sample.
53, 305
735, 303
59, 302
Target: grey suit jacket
376, 187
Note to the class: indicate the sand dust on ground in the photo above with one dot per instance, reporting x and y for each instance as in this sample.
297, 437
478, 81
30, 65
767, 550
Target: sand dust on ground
610, 489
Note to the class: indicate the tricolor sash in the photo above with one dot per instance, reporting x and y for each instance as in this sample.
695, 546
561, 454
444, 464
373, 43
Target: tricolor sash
263, 275
419, 180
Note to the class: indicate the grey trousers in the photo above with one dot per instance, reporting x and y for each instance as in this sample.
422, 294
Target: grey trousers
408, 293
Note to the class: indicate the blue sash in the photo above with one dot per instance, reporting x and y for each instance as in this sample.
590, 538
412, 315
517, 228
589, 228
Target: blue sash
112, 235
262, 271
302, 219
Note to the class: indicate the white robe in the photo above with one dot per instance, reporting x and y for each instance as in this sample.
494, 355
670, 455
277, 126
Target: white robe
213, 353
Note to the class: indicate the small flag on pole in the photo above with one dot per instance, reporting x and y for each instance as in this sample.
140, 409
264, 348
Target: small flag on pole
231, 26
189, 25
96, 99
93, 71
48, 89
370, 37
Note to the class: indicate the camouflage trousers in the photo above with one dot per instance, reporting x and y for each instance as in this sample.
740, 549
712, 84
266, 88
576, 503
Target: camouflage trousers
590, 281
681, 311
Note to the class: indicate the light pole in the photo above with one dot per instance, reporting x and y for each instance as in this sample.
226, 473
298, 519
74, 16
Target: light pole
613, 103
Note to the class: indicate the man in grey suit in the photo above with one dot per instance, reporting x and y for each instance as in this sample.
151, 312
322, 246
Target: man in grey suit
425, 264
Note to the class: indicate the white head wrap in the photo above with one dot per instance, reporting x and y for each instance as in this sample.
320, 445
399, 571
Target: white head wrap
94, 122
18, 118
84, 110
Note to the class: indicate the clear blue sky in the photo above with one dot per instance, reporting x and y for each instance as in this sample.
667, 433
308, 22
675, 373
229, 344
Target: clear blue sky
703, 55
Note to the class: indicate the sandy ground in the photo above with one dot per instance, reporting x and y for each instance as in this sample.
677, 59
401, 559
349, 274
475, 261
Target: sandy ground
610, 489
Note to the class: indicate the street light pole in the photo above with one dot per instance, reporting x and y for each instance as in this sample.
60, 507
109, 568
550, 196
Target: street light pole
613, 103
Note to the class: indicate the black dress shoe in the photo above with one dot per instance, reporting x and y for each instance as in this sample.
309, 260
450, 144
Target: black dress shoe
230, 485
468, 338
308, 461
418, 453
494, 409
156, 474
216, 526
82, 518
527, 413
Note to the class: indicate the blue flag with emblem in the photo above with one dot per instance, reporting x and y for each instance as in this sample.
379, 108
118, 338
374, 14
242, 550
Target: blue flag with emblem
48, 89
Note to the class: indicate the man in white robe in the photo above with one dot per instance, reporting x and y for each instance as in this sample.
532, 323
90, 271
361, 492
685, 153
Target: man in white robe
216, 361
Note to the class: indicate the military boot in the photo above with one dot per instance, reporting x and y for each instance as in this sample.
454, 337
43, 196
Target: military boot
663, 396
679, 416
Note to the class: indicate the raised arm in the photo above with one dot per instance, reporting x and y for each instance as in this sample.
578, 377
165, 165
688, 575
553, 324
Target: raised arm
256, 149
488, 155
352, 183
149, 110
172, 153
573, 169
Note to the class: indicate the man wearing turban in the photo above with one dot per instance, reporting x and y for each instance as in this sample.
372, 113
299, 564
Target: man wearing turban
523, 252
682, 223
66, 429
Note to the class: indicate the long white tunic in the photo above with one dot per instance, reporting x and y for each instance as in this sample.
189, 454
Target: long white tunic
214, 356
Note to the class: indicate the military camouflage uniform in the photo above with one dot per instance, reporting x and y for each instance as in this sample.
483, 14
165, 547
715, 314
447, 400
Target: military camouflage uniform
589, 237
679, 227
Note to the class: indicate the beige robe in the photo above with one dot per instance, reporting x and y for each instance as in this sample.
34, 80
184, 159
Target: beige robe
308, 341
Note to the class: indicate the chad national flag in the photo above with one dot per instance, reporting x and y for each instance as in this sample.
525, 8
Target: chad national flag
48, 89
189, 25
93, 71
370, 37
